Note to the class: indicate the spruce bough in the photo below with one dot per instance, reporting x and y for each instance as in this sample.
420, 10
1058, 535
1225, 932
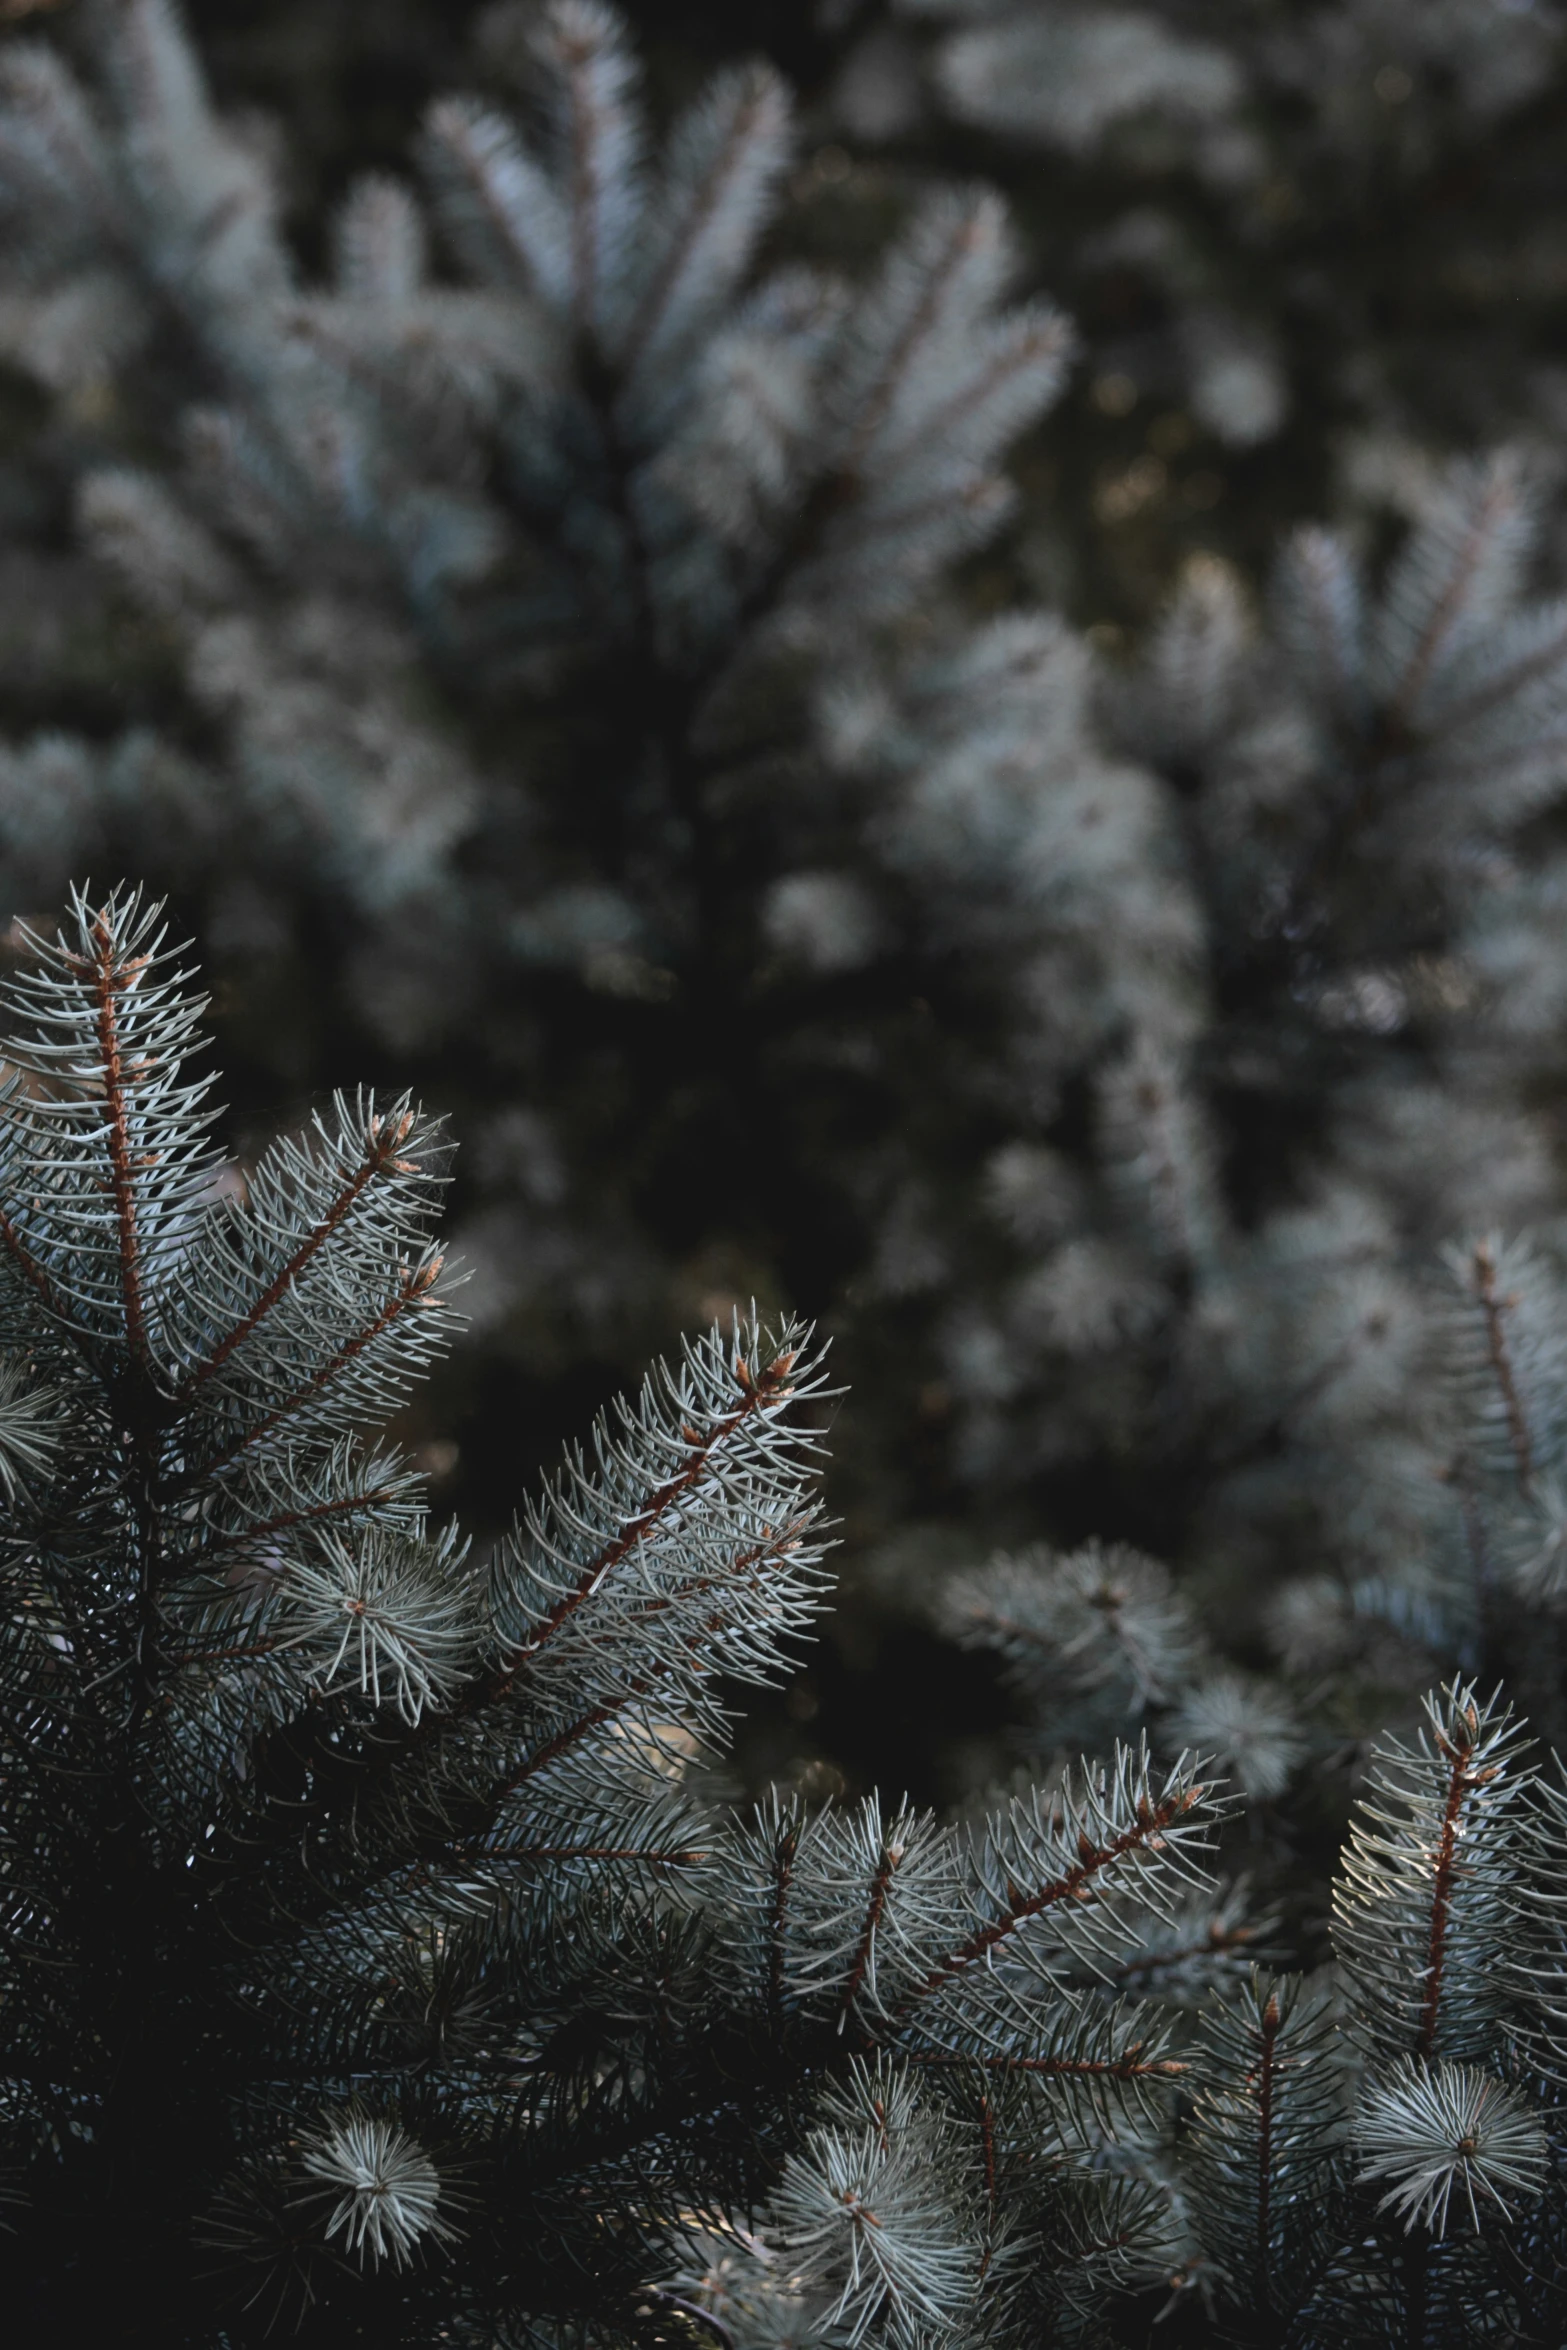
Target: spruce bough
378, 1964
372, 1964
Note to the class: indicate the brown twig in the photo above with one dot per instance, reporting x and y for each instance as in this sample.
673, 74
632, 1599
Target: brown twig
1460, 1781
664, 278
1130, 2066
385, 1142
108, 983
414, 1286
26, 1263
1153, 1819
769, 1386
886, 1869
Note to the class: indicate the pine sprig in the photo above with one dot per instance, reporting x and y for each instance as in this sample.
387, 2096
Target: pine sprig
1104, 1617
375, 1895
1430, 1858
105, 1024
1265, 2152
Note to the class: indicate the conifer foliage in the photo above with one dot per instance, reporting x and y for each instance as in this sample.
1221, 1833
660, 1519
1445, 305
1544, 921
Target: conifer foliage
562, 623
1363, 1409
554, 587
569, 692
381, 1964
1257, 137
373, 1962
1373, 2163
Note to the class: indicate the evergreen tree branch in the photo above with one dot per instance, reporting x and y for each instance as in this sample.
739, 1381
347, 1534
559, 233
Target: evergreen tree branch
751, 116
1460, 1783
1142, 1835
760, 1393
385, 1140
1497, 503
415, 1292
111, 978
1494, 1309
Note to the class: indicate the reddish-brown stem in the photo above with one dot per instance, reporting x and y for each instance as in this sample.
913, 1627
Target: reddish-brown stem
1442, 1896
384, 1143
1475, 1539
585, 192
665, 276
1494, 1308
886, 1868
1008, 1628
684, 1857
108, 982
894, 519
583, 1725
1052, 337
1072, 1886
413, 1286
1506, 682
486, 1692
1127, 2067
775, 1540
563, 1741
1026, 1635
457, 134
343, 1506
885, 391
766, 1388
586, 1723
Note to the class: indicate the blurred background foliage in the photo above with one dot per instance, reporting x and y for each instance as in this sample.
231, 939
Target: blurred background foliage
1292, 305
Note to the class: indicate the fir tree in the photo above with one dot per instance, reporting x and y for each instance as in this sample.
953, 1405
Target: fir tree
1377, 2159
375, 1963
576, 647
520, 600
1368, 1459
381, 1963
1262, 177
